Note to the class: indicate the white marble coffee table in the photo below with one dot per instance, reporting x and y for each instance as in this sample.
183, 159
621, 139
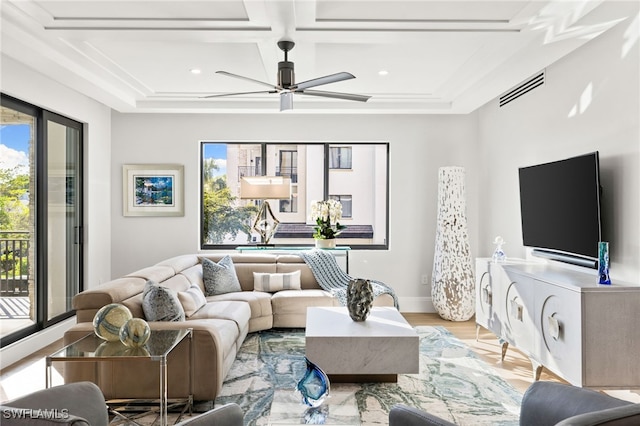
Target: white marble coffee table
377, 349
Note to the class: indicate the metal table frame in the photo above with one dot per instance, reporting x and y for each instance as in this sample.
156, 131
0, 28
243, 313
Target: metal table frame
84, 350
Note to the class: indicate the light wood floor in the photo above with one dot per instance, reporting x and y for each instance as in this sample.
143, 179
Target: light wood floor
516, 367
28, 375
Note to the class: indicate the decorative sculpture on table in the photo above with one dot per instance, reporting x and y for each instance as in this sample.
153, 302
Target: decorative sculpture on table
359, 299
135, 333
498, 253
453, 283
109, 319
314, 386
603, 263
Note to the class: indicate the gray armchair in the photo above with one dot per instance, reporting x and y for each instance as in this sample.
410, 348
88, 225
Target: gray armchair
82, 404
546, 404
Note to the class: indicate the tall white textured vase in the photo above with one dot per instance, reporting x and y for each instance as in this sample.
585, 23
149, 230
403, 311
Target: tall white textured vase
452, 282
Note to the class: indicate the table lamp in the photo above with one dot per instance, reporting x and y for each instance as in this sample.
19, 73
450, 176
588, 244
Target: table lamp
265, 188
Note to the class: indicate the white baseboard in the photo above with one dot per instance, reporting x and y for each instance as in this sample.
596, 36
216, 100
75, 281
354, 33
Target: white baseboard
416, 304
30, 344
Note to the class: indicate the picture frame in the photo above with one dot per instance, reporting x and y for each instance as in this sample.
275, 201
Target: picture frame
152, 190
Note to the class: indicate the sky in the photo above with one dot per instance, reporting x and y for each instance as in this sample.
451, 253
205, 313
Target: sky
14, 145
217, 151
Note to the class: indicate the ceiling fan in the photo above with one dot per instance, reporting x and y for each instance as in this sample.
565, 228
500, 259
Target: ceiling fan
287, 86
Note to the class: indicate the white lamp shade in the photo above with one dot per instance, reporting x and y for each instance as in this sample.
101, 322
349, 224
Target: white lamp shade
265, 188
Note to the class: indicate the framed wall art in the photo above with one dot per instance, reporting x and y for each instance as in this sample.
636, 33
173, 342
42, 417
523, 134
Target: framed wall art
152, 190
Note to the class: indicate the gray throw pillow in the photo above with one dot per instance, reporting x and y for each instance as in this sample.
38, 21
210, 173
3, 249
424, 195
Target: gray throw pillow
160, 303
219, 278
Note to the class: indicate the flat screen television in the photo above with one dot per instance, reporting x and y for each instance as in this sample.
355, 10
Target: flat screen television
560, 209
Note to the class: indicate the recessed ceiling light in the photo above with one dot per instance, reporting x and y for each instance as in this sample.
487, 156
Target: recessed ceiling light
383, 72
195, 70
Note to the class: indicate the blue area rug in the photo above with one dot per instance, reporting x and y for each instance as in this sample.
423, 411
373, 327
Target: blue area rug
453, 382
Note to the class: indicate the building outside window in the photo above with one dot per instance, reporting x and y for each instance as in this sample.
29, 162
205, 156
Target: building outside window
345, 200
340, 157
227, 220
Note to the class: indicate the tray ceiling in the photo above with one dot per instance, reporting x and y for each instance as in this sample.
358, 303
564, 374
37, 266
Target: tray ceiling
410, 56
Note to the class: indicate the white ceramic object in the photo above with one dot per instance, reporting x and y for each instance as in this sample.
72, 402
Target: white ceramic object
452, 283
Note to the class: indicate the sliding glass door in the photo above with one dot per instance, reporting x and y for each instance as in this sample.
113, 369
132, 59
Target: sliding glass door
41, 220
64, 234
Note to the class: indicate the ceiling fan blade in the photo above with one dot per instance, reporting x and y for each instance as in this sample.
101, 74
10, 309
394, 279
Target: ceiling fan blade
248, 79
323, 80
337, 95
239, 93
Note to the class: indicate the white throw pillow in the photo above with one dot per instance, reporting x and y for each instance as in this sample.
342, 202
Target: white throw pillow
192, 299
276, 282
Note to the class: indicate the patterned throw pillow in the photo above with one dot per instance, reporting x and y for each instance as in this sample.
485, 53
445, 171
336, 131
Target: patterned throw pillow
160, 303
192, 299
219, 278
276, 282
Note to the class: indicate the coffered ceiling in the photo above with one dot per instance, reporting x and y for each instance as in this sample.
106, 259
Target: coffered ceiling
409, 56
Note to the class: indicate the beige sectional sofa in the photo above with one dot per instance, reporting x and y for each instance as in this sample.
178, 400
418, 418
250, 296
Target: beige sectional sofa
219, 327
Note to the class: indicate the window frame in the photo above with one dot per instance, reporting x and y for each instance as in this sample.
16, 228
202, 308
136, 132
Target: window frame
326, 170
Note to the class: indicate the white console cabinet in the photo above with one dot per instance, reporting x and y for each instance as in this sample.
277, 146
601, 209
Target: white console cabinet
586, 333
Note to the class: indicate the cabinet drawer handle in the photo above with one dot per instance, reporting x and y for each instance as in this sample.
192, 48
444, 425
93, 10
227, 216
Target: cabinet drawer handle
554, 327
516, 310
487, 296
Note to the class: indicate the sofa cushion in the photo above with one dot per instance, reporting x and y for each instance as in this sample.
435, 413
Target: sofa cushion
158, 273
160, 303
271, 283
219, 278
238, 312
290, 306
180, 263
259, 303
288, 301
192, 299
111, 292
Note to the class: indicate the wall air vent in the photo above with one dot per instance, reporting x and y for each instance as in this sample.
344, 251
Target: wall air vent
524, 87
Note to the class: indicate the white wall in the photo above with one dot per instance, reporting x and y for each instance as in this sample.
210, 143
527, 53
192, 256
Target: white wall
418, 146
590, 102
30, 86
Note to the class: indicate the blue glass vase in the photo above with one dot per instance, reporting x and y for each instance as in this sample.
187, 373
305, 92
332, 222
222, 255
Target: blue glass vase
603, 263
314, 386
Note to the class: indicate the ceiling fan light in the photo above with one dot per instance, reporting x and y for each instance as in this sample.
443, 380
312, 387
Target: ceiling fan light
286, 101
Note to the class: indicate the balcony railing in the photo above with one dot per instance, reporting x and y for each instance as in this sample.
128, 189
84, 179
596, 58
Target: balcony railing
246, 171
290, 172
14, 263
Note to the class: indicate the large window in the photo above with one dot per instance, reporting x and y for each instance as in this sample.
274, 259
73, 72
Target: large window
355, 174
40, 219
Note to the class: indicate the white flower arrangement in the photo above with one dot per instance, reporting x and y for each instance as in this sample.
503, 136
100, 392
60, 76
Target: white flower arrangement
327, 216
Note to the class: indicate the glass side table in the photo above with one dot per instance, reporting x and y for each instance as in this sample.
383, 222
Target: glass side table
91, 348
